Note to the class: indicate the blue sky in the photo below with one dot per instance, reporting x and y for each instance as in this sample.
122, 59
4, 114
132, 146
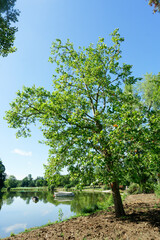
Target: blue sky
83, 22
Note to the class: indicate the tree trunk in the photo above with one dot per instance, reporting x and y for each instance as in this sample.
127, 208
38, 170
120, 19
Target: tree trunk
119, 210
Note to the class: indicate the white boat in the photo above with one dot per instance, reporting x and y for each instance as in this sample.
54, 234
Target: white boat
64, 194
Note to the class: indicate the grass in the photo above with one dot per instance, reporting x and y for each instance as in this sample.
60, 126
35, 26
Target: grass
12, 234
40, 189
26, 189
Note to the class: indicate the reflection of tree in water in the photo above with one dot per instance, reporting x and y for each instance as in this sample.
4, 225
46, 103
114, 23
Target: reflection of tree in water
79, 201
1, 200
82, 200
45, 197
8, 198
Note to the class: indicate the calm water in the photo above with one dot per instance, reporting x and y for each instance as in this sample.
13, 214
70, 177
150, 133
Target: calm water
18, 211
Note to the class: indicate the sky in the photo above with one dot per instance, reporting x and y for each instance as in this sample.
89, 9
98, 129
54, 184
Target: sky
83, 22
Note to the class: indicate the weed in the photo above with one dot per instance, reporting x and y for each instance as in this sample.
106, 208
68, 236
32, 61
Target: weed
60, 215
12, 234
157, 206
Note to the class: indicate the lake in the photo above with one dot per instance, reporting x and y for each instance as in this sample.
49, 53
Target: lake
18, 211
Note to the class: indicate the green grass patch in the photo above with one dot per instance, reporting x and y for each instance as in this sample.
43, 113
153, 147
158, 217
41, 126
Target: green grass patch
27, 189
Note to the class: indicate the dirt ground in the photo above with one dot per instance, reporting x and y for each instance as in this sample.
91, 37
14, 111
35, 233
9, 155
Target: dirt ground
142, 222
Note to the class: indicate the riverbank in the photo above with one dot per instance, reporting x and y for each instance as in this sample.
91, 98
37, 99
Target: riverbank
26, 189
58, 189
142, 222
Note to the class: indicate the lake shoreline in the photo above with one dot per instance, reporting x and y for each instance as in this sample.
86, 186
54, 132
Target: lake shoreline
20, 211
141, 222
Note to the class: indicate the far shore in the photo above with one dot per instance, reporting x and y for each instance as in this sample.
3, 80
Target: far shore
58, 189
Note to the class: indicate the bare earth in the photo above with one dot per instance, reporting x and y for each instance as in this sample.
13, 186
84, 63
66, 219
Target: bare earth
142, 222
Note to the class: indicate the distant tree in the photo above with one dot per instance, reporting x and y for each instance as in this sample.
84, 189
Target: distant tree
65, 179
31, 182
40, 182
8, 16
25, 182
11, 182
2, 174
156, 4
150, 91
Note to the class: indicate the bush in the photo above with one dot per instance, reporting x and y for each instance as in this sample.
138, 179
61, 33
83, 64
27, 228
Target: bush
108, 203
157, 190
148, 187
134, 188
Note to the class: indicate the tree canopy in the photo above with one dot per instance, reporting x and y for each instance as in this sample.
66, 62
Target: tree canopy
150, 90
92, 121
156, 4
8, 16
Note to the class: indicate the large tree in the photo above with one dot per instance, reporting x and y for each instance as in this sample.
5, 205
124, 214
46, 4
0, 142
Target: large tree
156, 4
89, 120
11, 182
8, 16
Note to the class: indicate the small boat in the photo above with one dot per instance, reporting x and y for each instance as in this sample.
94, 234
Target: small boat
64, 194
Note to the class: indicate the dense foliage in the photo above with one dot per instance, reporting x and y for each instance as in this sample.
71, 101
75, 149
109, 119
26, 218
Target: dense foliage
92, 121
12, 182
2, 174
150, 91
8, 16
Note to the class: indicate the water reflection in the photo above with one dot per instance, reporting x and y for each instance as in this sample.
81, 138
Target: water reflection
18, 210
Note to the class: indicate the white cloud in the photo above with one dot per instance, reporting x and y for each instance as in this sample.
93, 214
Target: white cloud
15, 227
21, 152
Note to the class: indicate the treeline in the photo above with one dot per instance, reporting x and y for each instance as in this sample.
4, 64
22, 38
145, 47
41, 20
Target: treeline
58, 180
12, 182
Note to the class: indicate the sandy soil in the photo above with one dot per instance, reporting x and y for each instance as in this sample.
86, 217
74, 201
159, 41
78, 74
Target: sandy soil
142, 222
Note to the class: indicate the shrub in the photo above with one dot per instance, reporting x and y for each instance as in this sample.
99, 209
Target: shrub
108, 203
148, 187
